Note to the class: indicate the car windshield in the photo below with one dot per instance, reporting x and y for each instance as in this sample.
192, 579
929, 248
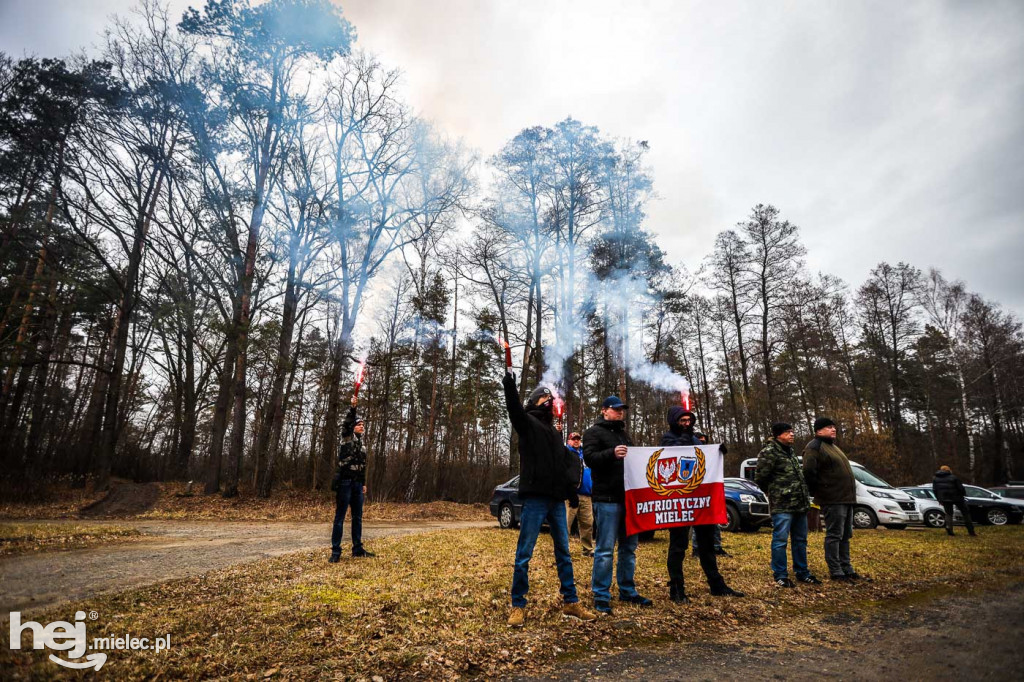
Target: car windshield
868, 478
974, 491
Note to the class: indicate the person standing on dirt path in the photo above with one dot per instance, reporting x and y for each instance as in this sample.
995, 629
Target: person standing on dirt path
950, 492
349, 484
781, 476
548, 475
830, 480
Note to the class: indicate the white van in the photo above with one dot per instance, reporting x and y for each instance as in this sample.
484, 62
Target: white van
878, 503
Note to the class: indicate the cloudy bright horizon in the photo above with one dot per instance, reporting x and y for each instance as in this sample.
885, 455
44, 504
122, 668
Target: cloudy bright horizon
885, 131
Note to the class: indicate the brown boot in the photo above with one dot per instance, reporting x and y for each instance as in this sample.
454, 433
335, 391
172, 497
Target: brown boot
576, 610
517, 617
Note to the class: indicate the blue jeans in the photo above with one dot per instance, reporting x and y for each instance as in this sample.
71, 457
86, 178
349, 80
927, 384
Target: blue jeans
789, 526
350, 494
609, 526
535, 511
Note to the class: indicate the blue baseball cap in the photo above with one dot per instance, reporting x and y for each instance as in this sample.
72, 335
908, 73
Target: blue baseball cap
613, 401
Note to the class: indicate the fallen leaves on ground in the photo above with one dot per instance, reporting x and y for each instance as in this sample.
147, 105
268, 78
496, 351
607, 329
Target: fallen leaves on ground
433, 606
286, 504
19, 538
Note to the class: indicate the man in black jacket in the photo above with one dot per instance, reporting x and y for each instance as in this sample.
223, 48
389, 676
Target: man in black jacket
548, 475
950, 492
604, 449
349, 485
680, 424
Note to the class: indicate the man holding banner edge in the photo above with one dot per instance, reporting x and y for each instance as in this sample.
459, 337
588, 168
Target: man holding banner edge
679, 485
605, 445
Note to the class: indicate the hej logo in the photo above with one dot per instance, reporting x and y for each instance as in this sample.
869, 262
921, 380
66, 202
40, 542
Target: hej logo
60, 636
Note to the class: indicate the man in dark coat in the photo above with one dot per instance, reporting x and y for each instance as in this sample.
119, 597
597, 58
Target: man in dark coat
830, 480
950, 492
604, 449
548, 475
349, 485
681, 424
781, 476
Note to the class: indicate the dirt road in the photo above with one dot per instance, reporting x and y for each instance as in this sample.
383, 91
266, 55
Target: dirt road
974, 636
171, 549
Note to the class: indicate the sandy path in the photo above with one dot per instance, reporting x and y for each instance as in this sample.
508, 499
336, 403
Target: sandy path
172, 549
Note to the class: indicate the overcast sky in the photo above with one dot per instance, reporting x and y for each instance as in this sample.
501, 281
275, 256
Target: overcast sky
885, 130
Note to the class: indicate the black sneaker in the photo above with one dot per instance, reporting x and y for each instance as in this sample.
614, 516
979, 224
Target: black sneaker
855, 576
784, 582
726, 591
636, 599
841, 577
809, 580
335, 558
721, 552
603, 607
363, 554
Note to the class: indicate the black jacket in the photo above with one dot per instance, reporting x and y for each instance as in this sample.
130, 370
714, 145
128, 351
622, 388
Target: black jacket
352, 453
546, 467
947, 487
828, 473
606, 470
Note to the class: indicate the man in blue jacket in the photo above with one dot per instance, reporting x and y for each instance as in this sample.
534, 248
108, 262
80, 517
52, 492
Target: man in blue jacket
585, 512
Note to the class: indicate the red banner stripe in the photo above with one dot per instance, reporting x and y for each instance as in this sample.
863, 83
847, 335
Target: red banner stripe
647, 510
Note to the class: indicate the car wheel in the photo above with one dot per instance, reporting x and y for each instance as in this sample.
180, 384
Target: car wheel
933, 518
506, 516
997, 517
864, 518
732, 522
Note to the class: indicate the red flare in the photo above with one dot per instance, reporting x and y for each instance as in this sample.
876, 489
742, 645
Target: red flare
559, 408
508, 352
685, 400
359, 377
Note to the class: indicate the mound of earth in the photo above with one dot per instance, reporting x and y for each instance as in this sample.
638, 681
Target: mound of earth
124, 499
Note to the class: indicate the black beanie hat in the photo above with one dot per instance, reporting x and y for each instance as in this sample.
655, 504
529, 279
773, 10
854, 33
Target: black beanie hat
675, 413
537, 394
822, 422
779, 428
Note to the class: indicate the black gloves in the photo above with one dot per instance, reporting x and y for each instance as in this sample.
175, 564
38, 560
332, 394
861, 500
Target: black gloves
509, 380
724, 450
574, 500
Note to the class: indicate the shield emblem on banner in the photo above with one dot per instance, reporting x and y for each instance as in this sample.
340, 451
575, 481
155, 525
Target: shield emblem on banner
686, 467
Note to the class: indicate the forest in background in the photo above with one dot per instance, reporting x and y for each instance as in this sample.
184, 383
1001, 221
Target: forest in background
207, 227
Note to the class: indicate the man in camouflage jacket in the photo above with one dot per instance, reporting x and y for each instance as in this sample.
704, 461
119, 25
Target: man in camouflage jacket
349, 484
780, 475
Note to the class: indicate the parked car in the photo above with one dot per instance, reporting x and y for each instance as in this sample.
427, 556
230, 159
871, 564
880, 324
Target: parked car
746, 506
878, 503
985, 507
505, 504
1013, 490
998, 510
932, 513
